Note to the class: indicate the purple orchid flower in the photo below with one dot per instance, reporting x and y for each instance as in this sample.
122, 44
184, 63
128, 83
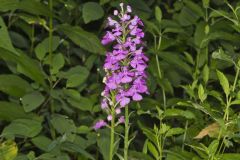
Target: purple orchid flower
125, 65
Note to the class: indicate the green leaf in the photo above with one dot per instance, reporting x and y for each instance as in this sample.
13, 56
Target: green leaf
212, 148
92, 11
7, 5
57, 63
102, 2
32, 101
43, 47
153, 150
71, 147
158, 14
224, 82
41, 142
30, 6
230, 156
205, 3
14, 85
25, 65
82, 103
75, 76
10, 111
174, 131
201, 93
194, 7
205, 74
82, 38
178, 112
31, 69
220, 54
83, 130
19, 40
76, 80
8, 150
22, 127
62, 124
5, 41
176, 61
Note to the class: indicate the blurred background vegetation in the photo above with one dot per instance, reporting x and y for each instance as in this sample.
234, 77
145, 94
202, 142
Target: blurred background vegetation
51, 79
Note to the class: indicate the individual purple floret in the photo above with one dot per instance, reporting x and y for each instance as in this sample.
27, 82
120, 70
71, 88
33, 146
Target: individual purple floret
99, 124
125, 65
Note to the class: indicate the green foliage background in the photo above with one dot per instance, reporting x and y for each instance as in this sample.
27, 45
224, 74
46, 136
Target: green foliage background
51, 79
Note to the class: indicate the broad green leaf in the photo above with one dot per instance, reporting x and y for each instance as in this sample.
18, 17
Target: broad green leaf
141, 8
75, 80
187, 17
22, 128
158, 14
31, 69
10, 111
178, 112
200, 35
224, 82
194, 7
7, 5
92, 11
8, 150
82, 38
57, 63
30, 6
43, 47
34, 7
83, 129
14, 85
82, 103
102, 2
32, 101
5, 41
71, 147
25, 65
19, 40
139, 155
176, 61
153, 150
63, 124
75, 76
41, 142
51, 156
174, 131
230, 156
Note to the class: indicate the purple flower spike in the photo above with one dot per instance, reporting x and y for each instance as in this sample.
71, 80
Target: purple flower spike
125, 64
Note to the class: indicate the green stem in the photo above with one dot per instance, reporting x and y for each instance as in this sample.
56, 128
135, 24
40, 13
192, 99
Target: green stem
32, 40
126, 133
185, 135
159, 70
112, 136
